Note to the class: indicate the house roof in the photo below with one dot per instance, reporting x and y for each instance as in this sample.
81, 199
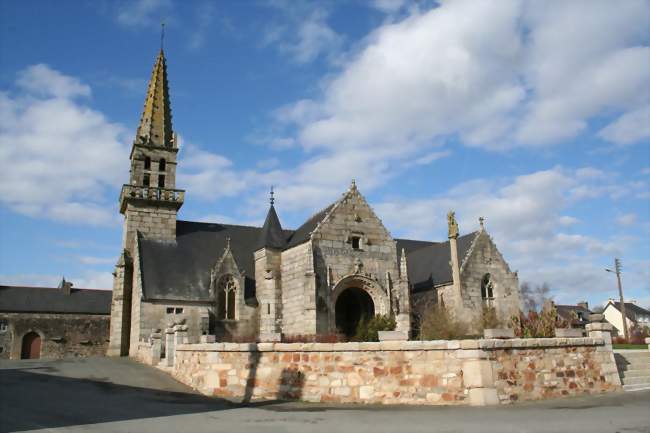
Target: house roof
567, 313
632, 311
19, 299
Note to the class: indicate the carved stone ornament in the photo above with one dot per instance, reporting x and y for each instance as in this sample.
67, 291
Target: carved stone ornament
452, 224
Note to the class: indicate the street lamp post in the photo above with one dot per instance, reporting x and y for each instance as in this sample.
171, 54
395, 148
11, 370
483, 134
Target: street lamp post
617, 271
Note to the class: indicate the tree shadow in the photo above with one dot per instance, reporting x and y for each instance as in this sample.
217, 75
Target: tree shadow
291, 384
31, 400
254, 361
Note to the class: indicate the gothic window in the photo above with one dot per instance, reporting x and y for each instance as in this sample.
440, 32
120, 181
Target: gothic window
145, 180
226, 295
147, 163
487, 288
161, 181
161, 164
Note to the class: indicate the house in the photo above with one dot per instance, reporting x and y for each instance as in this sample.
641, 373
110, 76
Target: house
46, 322
577, 315
636, 316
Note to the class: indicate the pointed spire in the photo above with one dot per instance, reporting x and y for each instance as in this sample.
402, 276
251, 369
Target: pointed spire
272, 199
155, 127
272, 235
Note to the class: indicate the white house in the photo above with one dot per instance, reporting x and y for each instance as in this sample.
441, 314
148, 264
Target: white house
635, 315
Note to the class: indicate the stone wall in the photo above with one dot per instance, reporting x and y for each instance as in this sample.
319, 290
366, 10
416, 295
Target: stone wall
475, 372
298, 305
62, 335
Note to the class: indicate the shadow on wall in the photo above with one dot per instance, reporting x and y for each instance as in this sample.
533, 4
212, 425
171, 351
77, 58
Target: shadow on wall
253, 362
291, 384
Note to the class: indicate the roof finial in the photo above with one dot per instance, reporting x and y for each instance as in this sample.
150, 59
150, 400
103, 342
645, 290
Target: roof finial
272, 199
481, 221
353, 185
228, 243
162, 35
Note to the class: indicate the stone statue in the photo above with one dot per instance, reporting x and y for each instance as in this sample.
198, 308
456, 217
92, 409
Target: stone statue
452, 224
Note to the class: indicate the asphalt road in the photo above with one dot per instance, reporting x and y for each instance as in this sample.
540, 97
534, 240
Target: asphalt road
118, 395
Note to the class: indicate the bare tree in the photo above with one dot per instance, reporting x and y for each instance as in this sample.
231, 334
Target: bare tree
535, 298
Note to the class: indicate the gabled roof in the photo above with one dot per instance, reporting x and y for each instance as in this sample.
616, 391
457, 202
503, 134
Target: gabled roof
570, 312
302, 233
19, 299
272, 235
428, 262
632, 311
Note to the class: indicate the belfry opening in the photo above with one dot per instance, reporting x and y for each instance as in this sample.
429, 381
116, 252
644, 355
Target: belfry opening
352, 306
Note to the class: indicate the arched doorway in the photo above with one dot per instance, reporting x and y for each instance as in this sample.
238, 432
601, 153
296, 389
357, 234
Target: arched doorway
31, 348
352, 306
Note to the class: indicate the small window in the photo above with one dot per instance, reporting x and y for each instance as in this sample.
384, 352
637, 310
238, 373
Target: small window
580, 316
487, 288
170, 310
2, 349
356, 242
178, 311
161, 181
268, 308
145, 180
3, 326
161, 165
147, 163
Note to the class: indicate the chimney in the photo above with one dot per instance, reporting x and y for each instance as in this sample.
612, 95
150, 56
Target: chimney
65, 286
584, 304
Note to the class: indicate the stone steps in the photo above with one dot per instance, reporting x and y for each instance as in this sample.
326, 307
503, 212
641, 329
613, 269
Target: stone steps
633, 369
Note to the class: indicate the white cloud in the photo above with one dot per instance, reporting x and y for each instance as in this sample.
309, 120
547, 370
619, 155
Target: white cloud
526, 217
496, 74
630, 128
59, 156
205, 13
303, 32
388, 6
628, 219
92, 260
138, 13
87, 280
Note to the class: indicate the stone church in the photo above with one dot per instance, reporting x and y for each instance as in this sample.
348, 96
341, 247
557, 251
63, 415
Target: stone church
229, 280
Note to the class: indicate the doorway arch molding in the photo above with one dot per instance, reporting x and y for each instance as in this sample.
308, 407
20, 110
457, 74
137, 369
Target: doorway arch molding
370, 286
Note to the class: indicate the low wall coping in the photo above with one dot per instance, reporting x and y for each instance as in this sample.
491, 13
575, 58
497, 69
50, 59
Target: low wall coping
484, 344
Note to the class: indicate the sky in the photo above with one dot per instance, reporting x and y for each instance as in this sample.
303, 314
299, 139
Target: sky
534, 115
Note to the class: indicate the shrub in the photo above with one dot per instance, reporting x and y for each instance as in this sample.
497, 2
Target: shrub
538, 325
489, 319
437, 324
637, 335
368, 330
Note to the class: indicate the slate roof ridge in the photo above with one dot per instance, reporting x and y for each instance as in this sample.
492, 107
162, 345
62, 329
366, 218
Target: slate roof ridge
74, 289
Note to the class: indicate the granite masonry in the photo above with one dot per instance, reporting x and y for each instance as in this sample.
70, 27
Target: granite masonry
260, 283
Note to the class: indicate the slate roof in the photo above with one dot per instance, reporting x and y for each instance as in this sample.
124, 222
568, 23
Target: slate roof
567, 312
302, 233
632, 311
428, 262
17, 299
181, 270
272, 235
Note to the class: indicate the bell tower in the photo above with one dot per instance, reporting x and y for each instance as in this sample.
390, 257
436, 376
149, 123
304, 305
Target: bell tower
149, 202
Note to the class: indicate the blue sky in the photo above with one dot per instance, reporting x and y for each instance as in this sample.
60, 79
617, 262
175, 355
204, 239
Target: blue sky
536, 117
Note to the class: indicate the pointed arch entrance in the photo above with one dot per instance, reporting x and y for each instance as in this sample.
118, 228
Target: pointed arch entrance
31, 347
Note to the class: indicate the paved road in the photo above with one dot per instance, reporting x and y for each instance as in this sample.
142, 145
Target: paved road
118, 395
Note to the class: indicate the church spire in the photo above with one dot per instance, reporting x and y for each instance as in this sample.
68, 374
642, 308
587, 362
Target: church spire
155, 127
272, 235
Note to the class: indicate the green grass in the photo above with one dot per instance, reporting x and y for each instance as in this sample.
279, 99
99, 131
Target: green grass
630, 346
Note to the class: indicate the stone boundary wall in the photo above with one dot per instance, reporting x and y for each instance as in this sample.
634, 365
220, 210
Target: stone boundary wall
456, 372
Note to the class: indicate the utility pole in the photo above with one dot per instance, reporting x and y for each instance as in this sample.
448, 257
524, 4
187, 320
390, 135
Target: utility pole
617, 271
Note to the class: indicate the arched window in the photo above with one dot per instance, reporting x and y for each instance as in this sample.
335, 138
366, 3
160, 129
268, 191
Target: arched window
161, 164
226, 295
147, 163
487, 288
